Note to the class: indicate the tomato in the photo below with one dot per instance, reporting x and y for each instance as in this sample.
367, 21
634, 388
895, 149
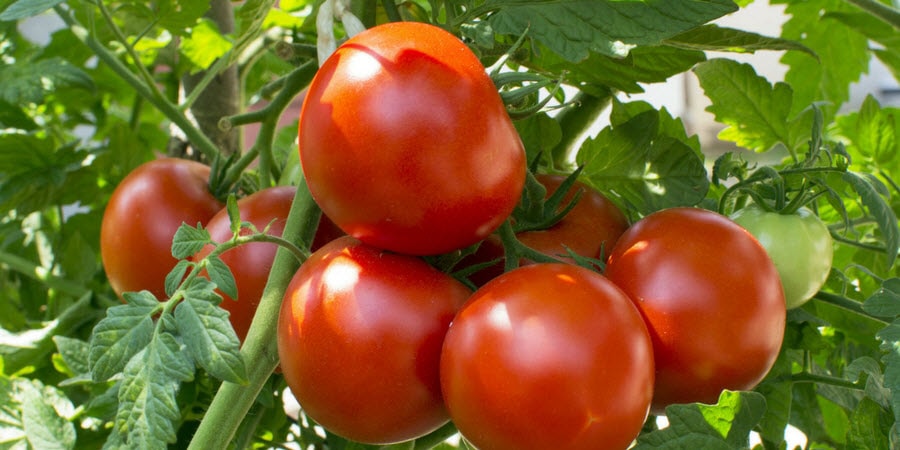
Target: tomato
359, 336
711, 299
251, 263
406, 144
589, 229
141, 218
800, 245
548, 356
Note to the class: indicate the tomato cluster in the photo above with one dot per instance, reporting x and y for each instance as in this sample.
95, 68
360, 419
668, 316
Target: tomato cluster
378, 346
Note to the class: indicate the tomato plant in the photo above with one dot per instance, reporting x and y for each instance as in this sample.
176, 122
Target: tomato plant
714, 325
251, 263
590, 228
359, 338
141, 218
799, 244
548, 356
406, 144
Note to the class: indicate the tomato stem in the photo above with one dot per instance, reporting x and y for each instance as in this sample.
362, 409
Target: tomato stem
260, 350
575, 120
847, 304
806, 377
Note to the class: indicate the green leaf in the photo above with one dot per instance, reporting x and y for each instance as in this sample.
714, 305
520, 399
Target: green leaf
74, 352
755, 111
574, 28
647, 171
126, 330
176, 275
875, 132
539, 133
27, 8
220, 273
885, 302
210, 339
204, 45
43, 408
880, 210
712, 37
148, 409
29, 81
189, 240
726, 425
234, 214
869, 427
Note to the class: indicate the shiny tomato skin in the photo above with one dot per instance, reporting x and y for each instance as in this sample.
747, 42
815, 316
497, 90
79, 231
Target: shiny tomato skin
548, 356
251, 263
711, 298
590, 229
359, 335
406, 144
141, 218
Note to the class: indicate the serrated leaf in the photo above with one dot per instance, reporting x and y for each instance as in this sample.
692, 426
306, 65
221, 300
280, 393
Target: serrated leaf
126, 331
203, 289
176, 15
885, 302
712, 37
29, 81
211, 339
74, 353
875, 132
726, 425
868, 427
27, 8
647, 171
880, 210
220, 273
204, 45
176, 275
755, 111
44, 428
539, 133
148, 408
574, 28
189, 240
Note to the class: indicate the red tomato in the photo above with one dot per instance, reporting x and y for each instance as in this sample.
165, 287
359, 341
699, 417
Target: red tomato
711, 298
406, 144
141, 218
251, 263
359, 336
589, 229
548, 356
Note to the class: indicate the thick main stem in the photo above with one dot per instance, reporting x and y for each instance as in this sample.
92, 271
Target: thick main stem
260, 350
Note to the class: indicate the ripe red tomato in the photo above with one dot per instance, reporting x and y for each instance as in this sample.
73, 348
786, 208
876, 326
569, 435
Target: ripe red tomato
406, 144
711, 298
251, 263
548, 356
141, 218
359, 336
590, 228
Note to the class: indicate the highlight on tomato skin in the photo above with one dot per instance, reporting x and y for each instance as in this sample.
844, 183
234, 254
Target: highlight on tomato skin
406, 144
711, 298
548, 356
360, 332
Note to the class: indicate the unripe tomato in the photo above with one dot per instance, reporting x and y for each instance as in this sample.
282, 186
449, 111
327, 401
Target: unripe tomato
141, 218
548, 356
359, 336
711, 298
406, 144
251, 263
799, 244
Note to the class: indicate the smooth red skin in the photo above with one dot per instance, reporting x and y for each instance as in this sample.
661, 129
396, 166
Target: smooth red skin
711, 298
141, 218
405, 143
251, 263
590, 229
359, 336
548, 356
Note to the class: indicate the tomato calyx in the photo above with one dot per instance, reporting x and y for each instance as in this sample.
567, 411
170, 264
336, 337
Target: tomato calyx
537, 211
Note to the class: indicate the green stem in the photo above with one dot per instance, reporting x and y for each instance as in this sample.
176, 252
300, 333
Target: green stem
38, 273
889, 15
390, 8
857, 244
847, 304
260, 350
806, 377
117, 32
200, 141
434, 438
575, 121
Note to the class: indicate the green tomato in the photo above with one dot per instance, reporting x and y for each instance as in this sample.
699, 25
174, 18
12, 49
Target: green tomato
799, 244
